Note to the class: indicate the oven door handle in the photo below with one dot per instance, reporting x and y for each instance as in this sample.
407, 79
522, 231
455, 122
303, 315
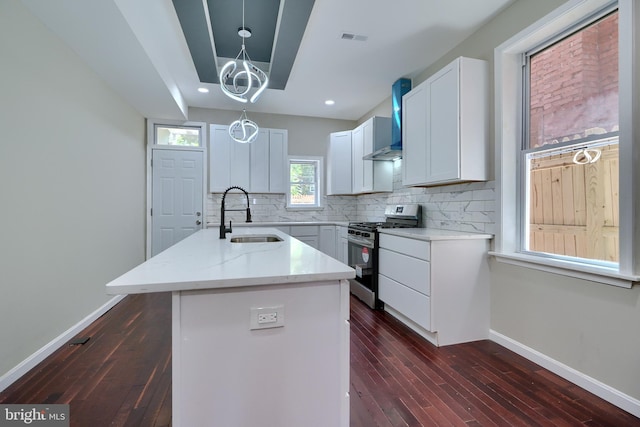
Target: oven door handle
359, 242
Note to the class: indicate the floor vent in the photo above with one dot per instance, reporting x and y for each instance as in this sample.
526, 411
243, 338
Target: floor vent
79, 341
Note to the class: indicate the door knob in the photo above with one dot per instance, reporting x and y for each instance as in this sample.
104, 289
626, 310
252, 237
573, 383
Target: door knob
198, 222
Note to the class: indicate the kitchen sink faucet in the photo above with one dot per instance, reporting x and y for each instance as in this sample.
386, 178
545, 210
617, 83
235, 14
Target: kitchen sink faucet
223, 229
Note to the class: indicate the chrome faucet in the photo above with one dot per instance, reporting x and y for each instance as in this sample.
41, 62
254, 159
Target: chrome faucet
223, 229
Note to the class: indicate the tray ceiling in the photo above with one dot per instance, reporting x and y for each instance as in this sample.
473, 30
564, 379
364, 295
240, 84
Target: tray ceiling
211, 28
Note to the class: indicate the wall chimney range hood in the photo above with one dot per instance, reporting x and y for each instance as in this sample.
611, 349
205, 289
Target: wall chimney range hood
385, 153
393, 151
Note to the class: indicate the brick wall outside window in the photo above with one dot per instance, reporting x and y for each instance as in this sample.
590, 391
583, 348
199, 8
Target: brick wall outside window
574, 85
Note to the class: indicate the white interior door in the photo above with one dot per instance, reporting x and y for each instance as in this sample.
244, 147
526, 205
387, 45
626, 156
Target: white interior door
176, 196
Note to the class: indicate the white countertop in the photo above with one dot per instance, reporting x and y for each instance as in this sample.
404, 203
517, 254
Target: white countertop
430, 234
279, 223
204, 261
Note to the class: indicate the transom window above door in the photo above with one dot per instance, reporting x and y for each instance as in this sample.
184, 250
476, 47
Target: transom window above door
181, 136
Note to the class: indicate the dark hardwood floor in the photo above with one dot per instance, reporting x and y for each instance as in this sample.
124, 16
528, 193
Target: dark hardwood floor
122, 377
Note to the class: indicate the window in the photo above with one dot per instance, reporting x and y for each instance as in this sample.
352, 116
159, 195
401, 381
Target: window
304, 182
570, 151
182, 136
565, 141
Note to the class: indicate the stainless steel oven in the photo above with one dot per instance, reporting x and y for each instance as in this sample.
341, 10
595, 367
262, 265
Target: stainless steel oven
362, 257
362, 241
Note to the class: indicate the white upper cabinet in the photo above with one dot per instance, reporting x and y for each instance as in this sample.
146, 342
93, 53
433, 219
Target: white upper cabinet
278, 168
414, 135
258, 167
445, 126
339, 164
347, 172
377, 175
357, 152
219, 158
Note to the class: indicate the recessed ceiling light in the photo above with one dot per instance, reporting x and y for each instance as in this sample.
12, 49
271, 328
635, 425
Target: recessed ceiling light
329, 102
203, 90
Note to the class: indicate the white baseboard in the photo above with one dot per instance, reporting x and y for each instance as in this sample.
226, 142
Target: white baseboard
30, 362
608, 393
429, 336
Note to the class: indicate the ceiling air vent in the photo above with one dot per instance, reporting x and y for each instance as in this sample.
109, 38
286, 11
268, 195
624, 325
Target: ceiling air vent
356, 37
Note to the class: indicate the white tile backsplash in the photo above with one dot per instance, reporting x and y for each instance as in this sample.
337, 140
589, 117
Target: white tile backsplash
463, 207
272, 207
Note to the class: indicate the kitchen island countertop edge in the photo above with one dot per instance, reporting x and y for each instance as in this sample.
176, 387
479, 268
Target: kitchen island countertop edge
204, 261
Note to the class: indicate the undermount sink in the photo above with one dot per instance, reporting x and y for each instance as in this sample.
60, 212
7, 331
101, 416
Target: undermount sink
256, 238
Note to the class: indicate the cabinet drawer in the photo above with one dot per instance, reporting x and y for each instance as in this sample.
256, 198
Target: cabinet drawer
415, 248
304, 230
410, 271
310, 240
410, 303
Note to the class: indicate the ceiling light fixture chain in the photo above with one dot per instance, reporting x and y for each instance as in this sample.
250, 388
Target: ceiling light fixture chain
243, 130
238, 85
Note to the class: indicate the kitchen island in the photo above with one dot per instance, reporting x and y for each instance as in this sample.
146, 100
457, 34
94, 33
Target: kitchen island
260, 331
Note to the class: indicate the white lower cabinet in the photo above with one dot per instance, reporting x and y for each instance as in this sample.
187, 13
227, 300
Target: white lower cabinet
439, 288
409, 302
342, 245
307, 234
327, 240
322, 237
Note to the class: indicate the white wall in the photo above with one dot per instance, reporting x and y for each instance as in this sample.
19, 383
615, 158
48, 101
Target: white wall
72, 182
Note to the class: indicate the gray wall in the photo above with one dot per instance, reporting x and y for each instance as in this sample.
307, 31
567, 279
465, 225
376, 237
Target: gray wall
72, 187
590, 327
71, 221
308, 136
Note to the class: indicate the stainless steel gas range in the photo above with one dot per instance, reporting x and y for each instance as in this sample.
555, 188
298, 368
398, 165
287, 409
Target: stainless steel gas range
362, 240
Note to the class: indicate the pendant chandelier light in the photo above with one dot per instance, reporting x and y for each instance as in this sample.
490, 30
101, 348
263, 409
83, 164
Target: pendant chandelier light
244, 80
243, 130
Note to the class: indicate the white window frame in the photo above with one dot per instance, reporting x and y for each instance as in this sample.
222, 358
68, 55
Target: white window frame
318, 161
509, 116
153, 125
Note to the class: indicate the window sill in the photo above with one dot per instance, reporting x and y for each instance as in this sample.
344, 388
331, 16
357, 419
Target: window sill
304, 208
566, 268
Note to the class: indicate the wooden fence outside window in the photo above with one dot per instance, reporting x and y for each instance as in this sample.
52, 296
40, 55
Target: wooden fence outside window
574, 207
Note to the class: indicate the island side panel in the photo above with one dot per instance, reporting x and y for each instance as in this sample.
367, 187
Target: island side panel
226, 374
345, 351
